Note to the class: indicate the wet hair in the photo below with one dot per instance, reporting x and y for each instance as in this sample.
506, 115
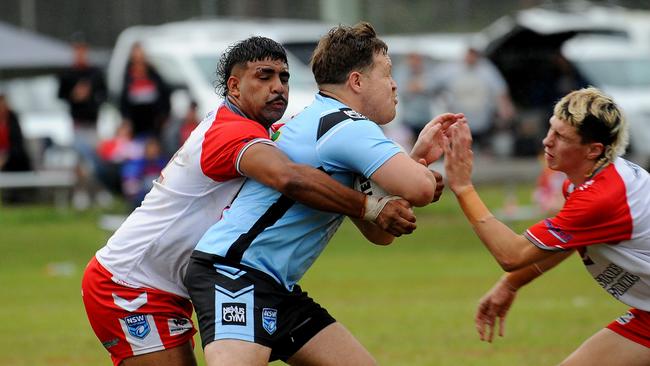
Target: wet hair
597, 119
249, 50
345, 49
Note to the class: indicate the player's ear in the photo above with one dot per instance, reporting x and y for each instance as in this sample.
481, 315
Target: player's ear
596, 150
233, 86
354, 80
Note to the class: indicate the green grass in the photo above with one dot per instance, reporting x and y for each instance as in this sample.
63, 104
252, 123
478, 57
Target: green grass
411, 303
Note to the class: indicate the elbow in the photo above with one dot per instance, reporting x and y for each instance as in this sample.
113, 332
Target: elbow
383, 241
510, 264
421, 194
288, 184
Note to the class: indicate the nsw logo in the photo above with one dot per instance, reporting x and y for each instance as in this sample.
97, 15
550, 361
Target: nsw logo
233, 313
270, 320
138, 325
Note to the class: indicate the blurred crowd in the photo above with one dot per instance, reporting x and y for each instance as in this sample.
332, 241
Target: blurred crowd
127, 163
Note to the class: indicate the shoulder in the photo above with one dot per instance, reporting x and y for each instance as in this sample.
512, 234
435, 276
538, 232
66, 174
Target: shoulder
333, 118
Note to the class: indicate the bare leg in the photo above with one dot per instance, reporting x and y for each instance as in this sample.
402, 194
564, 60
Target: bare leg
608, 348
233, 352
182, 355
334, 346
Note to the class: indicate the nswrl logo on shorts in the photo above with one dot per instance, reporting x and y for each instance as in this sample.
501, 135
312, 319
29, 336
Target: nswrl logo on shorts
233, 313
138, 325
269, 320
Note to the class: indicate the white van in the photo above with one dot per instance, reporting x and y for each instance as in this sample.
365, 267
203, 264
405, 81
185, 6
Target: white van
186, 53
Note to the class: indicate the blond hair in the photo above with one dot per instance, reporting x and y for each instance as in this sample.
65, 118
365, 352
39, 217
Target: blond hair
597, 119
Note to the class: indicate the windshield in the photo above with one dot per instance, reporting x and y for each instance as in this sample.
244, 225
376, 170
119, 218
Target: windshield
617, 72
301, 76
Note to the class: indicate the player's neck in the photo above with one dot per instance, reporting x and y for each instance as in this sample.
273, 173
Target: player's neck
340, 94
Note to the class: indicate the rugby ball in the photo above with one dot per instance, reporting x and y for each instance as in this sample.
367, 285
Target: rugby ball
369, 187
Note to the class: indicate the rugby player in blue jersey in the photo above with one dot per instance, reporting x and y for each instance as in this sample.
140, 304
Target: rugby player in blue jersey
243, 274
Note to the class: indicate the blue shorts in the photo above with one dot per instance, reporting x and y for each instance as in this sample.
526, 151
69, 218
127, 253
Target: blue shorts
233, 301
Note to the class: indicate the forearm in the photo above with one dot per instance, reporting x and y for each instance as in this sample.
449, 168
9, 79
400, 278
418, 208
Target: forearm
316, 189
517, 279
373, 232
511, 250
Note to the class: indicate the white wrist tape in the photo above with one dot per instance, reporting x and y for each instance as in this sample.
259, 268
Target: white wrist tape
374, 206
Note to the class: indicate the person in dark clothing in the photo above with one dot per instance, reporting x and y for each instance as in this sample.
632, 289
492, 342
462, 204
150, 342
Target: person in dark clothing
13, 156
82, 86
145, 96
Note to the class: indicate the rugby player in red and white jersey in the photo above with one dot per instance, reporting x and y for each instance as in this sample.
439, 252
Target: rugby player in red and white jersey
605, 218
132, 289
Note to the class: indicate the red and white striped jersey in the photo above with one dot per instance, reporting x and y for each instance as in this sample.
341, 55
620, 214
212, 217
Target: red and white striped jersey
152, 247
607, 219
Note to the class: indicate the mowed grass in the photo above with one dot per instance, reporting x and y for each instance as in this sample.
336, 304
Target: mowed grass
411, 303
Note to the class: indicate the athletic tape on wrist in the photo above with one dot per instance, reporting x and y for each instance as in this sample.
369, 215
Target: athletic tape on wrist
473, 207
375, 205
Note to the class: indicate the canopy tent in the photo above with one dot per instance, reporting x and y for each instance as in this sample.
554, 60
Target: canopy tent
25, 52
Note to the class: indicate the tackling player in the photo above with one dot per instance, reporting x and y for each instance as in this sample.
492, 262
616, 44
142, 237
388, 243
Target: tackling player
606, 219
243, 275
132, 289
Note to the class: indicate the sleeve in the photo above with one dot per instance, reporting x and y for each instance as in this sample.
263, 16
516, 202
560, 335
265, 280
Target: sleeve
357, 146
225, 144
587, 218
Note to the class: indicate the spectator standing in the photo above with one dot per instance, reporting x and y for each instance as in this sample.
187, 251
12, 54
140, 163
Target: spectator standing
13, 157
83, 88
477, 89
414, 83
145, 96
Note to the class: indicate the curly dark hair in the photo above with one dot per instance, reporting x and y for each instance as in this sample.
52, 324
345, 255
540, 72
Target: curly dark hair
345, 49
249, 50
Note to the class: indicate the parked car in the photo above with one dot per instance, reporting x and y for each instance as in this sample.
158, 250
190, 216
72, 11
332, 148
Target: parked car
186, 53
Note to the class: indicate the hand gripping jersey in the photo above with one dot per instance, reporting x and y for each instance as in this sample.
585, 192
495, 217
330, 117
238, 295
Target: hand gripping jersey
152, 247
607, 219
266, 230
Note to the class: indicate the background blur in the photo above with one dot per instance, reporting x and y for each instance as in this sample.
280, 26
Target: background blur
69, 176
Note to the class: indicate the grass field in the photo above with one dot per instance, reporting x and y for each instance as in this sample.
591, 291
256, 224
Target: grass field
411, 303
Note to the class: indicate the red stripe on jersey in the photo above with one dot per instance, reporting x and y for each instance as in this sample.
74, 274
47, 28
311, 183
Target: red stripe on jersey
224, 140
596, 212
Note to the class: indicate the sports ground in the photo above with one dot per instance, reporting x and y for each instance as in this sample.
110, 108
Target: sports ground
411, 303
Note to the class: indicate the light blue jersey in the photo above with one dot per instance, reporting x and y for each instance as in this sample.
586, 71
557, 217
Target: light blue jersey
268, 231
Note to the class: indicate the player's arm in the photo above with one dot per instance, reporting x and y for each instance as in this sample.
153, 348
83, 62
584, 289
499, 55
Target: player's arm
373, 233
402, 176
512, 251
305, 184
495, 304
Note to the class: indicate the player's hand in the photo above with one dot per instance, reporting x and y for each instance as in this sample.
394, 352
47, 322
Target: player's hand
440, 185
396, 218
429, 145
494, 307
458, 156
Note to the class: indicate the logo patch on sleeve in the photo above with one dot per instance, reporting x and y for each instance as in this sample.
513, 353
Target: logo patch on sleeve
269, 320
233, 313
138, 325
